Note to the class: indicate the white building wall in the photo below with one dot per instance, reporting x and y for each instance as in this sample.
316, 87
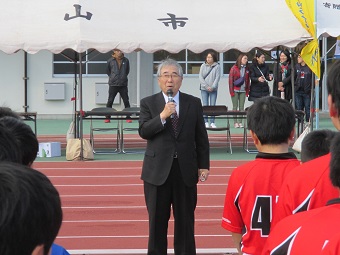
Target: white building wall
40, 70
11, 82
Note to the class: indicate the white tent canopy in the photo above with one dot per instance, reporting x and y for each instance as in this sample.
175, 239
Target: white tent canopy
328, 18
34, 25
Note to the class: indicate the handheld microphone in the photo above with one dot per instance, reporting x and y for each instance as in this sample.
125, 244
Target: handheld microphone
170, 99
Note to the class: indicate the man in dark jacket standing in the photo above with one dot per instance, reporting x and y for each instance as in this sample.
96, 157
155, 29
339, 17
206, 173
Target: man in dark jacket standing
118, 68
303, 87
177, 154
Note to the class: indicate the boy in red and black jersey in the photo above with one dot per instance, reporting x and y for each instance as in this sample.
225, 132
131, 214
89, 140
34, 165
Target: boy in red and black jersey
310, 232
308, 186
253, 188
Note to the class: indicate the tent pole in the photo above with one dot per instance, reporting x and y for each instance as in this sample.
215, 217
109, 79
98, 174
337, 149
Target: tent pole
312, 108
138, 78
81, 106
317, 96
76, 134
276, 91
316, 79
25, 78
324, 76
292, 77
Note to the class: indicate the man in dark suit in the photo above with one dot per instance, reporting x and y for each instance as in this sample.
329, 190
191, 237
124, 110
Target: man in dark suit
177, 155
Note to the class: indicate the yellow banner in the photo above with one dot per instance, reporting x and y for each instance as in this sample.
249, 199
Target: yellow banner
304, 12
311, 55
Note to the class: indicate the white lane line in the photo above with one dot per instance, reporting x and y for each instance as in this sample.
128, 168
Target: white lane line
94, 176
141, 236
108, 221
117, 176
97, 185
132, 195
87, 168
137, 195
129, 207
121, 185
144, 251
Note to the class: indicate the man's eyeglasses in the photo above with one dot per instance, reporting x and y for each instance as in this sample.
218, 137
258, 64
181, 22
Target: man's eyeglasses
172, 76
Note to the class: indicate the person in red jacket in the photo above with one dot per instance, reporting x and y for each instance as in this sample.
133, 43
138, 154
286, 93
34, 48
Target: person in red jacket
239, 82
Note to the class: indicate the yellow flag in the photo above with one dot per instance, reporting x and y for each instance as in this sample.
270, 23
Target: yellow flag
303, 10
311, 55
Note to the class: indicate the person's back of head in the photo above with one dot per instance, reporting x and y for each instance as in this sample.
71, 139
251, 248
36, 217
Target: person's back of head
30, 211
9, 147
272, 119
6, 111
24, 136
335, 161
316, 144
333, 86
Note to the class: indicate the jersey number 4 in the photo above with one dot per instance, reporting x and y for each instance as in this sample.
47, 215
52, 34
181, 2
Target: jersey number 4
262, 215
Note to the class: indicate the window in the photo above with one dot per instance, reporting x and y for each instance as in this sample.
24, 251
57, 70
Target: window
230, 57
190, 61
94, 63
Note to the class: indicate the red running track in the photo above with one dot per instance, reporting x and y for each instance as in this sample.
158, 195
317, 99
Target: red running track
104, 208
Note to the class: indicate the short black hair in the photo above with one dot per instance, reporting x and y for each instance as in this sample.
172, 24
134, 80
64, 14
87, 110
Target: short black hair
272, 119
30, 210
6, 111
335, 161
333, 84
316, 144
9, 148
24, 136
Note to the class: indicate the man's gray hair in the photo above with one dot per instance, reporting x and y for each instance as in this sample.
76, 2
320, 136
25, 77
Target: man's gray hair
169, 62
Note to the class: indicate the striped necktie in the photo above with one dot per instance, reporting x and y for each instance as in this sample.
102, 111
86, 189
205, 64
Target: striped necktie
174, 122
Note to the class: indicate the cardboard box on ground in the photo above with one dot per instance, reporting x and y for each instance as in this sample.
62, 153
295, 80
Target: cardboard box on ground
49, 149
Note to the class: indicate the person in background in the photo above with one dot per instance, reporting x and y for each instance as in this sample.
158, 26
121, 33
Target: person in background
30, 211
209, 77
309, 232
308, 186
239, 83
259, 76
16, 132
118, 68
282, 77
316, 144
24, 136
303, 87
176, 157
253, 187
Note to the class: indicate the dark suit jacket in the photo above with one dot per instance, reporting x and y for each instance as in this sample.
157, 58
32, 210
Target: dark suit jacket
191, 144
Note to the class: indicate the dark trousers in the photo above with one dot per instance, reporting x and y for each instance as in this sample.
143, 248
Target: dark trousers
113, 91
183, 200
302, 102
